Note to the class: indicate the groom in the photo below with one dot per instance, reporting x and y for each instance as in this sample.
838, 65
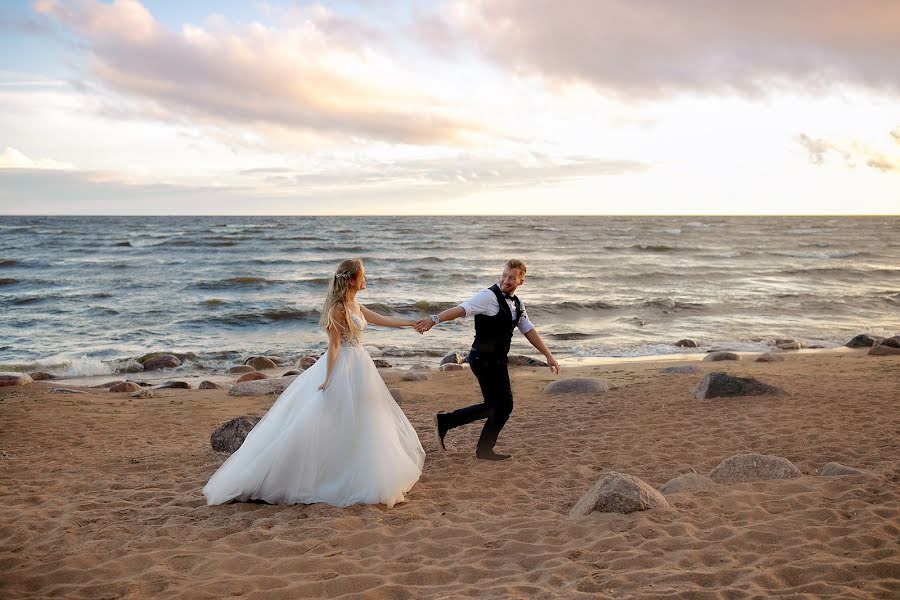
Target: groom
497, 312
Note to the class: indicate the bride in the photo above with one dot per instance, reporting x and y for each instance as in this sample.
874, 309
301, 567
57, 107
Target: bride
335, 435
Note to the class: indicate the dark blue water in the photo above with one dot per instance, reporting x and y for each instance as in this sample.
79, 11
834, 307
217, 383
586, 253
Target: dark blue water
79, 292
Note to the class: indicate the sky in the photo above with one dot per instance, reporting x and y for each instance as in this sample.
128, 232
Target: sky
450, 107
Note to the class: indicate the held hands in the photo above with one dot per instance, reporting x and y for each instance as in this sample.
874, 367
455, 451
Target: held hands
423, 325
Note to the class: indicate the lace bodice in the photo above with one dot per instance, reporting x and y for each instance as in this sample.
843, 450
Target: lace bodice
349, 338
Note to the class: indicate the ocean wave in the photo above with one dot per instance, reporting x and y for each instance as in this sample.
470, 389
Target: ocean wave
571, 336
672, 304
8, 281
243, 281
260, 317
28, 300
652, 248
81, 366
816, 254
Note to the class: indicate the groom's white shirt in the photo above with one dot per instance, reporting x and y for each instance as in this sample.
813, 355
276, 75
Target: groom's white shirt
484, 302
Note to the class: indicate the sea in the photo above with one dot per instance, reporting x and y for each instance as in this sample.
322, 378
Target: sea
86, 295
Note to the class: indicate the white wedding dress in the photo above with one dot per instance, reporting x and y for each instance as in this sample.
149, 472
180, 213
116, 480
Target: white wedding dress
349, 444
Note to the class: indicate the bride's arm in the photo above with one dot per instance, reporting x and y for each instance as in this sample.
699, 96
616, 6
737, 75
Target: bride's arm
334, 345
375, 319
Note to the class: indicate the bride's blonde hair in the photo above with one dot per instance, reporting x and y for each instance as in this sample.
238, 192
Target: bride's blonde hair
338, 291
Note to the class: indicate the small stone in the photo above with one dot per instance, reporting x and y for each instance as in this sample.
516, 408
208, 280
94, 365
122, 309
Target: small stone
715, 356
252, 376
883, 350
14, 379
892, 342
753, 467
454, 358
262, 387
174, 385
864, 340
518, 360
452, 367
125, 386
577, 385
142, 393
686, 343
414, 376
229, 436
834, 469
164, 361
241, 369
260, 363
618, 492
382, 363
306, 362
769, 357
723, 385
42, 376
687, 482
209, 385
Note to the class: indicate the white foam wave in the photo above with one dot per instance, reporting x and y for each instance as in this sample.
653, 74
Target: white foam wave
81, 366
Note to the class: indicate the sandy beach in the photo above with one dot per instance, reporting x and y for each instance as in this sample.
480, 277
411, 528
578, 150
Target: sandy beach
100, 495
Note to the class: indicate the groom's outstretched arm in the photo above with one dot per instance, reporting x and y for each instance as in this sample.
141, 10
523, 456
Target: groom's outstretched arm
534, 337
423, 325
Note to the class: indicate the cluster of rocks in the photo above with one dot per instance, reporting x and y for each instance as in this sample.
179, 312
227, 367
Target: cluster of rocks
623, 493
878, 346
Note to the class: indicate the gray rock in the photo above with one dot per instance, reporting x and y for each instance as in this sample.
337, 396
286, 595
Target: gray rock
229, 436
883, 350
164, 361
42, 376
414, 376
125, 386
834, 469
260, 362
789, 345
753, 467
174, 385
142, 393
382, 363
241, 369
261, 387
723, 385
577, 385
864, 340
687, 482
66, 391
686, 343
452, 367
209, 385
721, 355
618, 492
769, 357
14, 379
519, 360
683, 370
454, 358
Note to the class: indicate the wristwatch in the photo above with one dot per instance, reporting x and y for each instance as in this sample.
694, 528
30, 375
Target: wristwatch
436, 319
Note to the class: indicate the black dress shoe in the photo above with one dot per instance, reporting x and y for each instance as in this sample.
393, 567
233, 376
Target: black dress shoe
491, 455
440, 430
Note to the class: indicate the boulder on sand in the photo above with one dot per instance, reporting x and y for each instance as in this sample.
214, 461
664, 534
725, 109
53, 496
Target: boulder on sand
453, 358
382, 363
174, 385
125, 386
686, 343
252, 376
753, 467
864, 340
42, 376
241, 369
883, 350
163, 361
229, 436
769, 357
716, 356
209, 385
618, 492
260, 362
577, 385
262, 387
723, 385
305, 362
520, 360
686, 482
14, 379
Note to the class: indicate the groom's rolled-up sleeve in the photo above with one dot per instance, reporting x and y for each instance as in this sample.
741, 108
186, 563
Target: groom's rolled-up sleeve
479, 303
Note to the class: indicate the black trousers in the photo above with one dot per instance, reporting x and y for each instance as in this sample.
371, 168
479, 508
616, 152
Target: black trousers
493, 377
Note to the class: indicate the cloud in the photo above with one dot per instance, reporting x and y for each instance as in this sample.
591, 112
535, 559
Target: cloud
657, 47
851, 153
11, 158
318, 80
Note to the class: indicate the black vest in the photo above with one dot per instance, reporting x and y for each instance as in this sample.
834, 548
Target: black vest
494, 334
